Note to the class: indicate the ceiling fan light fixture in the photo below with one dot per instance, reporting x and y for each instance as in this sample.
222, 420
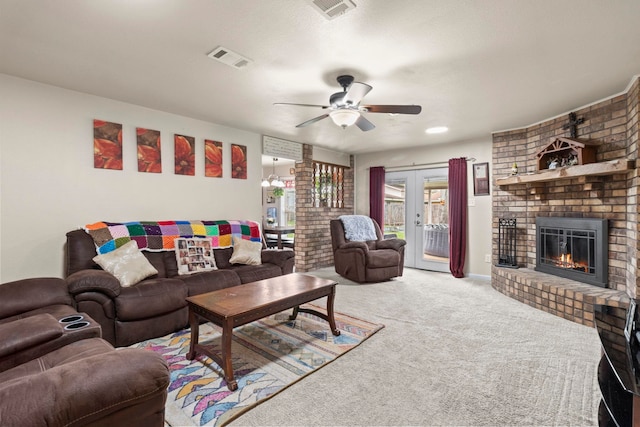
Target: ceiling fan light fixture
344, 117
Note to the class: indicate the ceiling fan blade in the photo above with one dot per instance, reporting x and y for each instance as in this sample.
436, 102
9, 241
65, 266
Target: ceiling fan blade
364, 124
315, 119
356, 92
393, 109
279, 104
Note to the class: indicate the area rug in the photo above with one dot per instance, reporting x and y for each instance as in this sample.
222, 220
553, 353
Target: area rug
268, 355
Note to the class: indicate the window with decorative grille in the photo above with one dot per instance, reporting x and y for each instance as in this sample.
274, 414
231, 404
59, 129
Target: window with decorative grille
328, 185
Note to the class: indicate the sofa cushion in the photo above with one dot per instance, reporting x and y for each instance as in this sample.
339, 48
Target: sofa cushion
150, 298
127, 264
164, 262
209, 281
246, 252
223, 257
251, 273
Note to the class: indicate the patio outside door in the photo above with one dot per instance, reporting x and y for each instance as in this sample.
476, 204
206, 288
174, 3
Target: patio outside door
416, 209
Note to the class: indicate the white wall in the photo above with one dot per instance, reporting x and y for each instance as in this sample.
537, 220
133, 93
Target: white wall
49, 185
479, 229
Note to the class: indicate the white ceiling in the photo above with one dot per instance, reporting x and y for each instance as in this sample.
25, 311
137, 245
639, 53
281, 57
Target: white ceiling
475, 66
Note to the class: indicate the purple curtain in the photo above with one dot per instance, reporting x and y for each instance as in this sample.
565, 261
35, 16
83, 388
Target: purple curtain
376, 194
457, 215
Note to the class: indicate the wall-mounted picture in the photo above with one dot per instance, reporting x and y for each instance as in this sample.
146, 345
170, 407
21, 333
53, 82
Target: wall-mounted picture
149, 156
212, 158
107, 145
481, 179
185, 155
239, 161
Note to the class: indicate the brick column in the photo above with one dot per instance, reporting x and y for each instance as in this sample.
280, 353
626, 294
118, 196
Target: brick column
313, 237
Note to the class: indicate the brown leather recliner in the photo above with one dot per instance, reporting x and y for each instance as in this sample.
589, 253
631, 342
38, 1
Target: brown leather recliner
370, 261
56, 371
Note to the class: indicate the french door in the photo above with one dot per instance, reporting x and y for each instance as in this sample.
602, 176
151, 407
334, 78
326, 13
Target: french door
416, 209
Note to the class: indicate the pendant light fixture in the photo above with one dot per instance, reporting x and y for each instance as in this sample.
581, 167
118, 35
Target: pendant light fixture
273, 180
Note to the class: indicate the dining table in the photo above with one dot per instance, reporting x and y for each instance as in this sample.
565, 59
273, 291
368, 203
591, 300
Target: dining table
279, 230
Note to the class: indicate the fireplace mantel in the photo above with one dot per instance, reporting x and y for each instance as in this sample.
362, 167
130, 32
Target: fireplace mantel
611, 167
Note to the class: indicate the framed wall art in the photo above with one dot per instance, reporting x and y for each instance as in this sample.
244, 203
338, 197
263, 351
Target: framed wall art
184, 155
481, 179
212, 158
238, 161
149, 155
107, 145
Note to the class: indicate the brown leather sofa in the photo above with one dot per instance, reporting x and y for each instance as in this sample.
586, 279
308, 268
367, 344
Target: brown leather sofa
156, 306
56, 371
370, 261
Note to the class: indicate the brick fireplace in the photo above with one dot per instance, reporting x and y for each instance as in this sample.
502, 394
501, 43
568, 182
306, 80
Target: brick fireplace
607, 189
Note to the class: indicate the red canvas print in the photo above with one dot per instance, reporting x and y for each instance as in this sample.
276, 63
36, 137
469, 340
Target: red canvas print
212, 158
185, 155
149, 157
107, 145
238, 161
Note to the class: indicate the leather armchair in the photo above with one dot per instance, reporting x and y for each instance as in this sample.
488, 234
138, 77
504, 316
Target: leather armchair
32, 320
56, 371
371, 261
86, 383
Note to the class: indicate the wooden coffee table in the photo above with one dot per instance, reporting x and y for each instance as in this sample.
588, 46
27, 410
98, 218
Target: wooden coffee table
239, 305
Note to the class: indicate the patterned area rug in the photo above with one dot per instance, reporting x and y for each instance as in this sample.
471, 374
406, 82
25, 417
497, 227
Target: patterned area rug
268, 356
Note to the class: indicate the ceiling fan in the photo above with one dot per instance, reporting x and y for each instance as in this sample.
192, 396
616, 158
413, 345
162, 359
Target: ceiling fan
345, 109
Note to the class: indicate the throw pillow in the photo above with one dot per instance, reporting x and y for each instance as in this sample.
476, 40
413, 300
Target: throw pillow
246, 252
194, 255
127, 264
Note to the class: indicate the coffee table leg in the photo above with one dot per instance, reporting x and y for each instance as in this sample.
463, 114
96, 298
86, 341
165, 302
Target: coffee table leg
195, 332
331, 318
227, 333
296, 310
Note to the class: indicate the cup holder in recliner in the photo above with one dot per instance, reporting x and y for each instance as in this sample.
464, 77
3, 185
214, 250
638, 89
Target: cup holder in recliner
76, 325
71, 319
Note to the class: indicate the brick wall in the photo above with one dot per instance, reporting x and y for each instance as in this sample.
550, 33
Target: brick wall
313, 237
613, 126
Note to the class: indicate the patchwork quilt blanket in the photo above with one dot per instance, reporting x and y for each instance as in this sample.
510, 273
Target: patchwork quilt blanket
159, 235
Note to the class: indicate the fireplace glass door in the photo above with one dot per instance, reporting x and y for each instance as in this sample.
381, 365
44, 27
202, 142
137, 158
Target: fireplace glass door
568, 249
575, 248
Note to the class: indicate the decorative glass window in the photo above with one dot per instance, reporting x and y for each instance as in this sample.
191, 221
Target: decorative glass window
328, 185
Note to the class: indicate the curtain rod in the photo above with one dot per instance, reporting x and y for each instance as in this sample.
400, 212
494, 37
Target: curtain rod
423, 165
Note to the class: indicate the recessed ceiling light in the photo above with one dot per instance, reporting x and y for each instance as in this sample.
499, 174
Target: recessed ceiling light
437, 129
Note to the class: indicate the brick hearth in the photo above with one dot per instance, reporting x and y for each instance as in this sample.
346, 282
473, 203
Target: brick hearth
612, 127
564, 298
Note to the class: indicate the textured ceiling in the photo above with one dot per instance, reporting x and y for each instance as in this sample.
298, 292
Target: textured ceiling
474, 66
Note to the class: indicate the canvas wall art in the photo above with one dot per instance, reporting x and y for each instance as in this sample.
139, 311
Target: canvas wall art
149, 155
238, 161
185, 155
212, 158
107, 145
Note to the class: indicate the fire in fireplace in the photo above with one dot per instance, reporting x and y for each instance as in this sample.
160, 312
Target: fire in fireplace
574, 248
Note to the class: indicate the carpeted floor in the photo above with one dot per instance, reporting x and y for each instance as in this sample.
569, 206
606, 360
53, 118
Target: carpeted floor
453, 352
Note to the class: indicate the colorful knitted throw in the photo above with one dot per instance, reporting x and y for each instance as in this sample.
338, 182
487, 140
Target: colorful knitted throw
159, 236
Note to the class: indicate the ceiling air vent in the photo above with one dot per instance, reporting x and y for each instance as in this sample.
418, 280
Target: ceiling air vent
332, 8
229, 57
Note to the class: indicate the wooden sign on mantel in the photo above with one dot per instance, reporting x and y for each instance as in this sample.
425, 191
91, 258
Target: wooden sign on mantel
565, 152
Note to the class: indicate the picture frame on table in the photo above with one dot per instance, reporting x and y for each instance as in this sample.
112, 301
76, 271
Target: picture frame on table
481, 179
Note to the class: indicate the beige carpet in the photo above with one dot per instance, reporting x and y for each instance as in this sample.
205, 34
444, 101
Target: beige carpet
454, 352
